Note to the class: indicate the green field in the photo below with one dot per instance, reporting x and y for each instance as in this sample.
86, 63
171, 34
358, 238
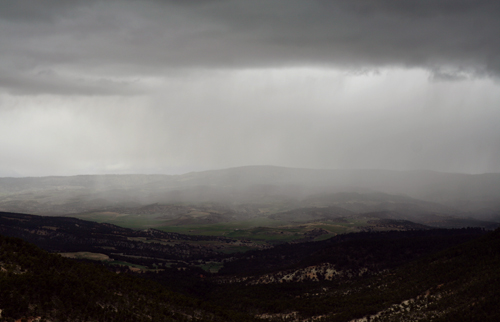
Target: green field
265, 230
257, 230
123, 220
221, 229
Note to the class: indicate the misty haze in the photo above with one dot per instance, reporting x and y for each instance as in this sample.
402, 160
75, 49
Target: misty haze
263, 160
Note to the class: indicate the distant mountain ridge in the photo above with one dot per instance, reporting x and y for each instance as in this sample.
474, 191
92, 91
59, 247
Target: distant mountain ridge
478, 195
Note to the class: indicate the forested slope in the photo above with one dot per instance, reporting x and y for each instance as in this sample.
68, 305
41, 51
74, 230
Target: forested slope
431, 275
461, 283
34, 283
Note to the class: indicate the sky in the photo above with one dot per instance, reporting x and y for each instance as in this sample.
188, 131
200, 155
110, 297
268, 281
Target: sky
171, 86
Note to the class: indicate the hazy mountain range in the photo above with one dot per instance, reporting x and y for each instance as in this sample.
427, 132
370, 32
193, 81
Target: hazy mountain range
359, 191
397, 267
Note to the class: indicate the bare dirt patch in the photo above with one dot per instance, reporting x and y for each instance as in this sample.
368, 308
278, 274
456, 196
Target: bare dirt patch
87, 255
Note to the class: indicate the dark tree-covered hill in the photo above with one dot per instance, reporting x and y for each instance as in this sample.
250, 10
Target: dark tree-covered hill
36, 284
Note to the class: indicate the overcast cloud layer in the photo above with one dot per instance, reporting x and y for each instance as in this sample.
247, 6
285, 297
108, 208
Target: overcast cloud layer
156, 86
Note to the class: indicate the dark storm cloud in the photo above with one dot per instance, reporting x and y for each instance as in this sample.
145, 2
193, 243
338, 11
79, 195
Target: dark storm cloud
449, 38
49, 82
152, 85
42, 10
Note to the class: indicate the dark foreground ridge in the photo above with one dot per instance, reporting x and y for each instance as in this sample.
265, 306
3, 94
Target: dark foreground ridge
427, 275
37, 285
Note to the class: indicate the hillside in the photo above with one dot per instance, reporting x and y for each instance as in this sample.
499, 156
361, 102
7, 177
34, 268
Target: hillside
148, 248
438, 275
46, 287
370, 252
371, 277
